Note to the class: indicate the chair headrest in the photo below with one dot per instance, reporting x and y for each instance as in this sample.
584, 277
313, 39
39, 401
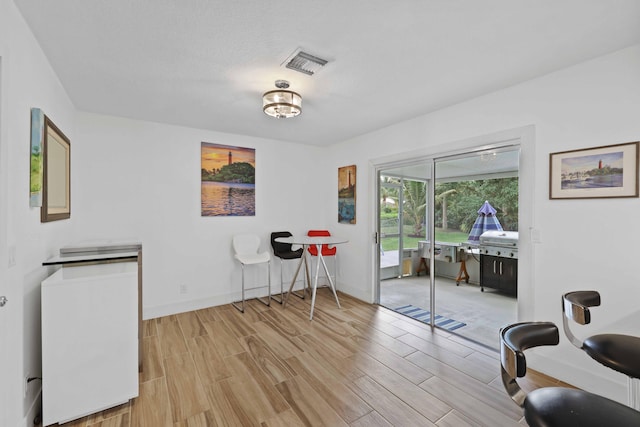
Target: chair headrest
576, 305
277, 234
516, 338
318, 233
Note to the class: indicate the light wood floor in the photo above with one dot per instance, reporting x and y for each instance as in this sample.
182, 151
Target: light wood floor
361, 365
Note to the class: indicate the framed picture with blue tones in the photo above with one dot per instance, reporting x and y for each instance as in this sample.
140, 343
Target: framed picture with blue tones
599, 172
347, 194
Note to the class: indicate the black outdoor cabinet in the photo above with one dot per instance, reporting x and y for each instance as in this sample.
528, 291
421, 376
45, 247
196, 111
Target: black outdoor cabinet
499, 273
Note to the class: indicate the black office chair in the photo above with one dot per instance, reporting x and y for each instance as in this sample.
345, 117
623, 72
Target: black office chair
285, 251
618, 352
553, 406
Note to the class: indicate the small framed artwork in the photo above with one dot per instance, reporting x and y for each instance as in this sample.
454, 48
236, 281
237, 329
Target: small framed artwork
347, 194
599, 172
37, 139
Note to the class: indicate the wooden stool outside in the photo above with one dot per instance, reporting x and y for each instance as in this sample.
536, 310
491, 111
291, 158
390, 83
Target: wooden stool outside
462, 274
423, 266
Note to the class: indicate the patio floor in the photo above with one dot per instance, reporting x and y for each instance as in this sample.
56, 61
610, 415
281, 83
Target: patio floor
483, 312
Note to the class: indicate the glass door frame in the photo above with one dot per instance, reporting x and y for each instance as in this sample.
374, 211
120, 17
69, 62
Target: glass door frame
399, 218
497, 143
377, 233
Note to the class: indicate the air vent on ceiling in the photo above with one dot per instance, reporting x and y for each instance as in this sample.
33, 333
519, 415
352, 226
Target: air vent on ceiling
304, 62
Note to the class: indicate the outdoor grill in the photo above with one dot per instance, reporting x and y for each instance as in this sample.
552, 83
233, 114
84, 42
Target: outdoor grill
499, 243
499, 261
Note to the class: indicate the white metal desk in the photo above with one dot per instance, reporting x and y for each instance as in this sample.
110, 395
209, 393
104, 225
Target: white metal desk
305, 242
91, 350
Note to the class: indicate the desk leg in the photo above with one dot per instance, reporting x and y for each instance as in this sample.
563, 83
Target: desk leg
315, 283
303, 259
306, 270
333, 286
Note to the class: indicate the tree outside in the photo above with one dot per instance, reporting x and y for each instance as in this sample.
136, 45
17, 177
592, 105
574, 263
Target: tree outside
456, 209
459, 210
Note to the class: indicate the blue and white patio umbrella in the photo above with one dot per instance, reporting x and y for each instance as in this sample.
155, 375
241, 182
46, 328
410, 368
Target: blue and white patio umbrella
486, 221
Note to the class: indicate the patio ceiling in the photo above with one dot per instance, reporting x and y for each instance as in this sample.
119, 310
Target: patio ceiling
492, 163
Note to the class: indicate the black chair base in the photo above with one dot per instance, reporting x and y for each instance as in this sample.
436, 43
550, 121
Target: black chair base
557, 406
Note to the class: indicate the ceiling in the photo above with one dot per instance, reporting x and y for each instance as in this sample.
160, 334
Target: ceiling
206, 63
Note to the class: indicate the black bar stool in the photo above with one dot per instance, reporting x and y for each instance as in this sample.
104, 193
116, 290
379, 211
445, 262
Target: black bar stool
285, 251
618, 352
553, 406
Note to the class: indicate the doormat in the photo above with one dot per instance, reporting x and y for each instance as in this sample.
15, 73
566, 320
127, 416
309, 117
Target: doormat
425, 316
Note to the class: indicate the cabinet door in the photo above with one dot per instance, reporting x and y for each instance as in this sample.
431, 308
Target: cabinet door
489, 272
89, 340
509, 275
499, 273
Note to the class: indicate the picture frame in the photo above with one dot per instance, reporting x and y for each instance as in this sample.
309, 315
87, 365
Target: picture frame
56, 173
599, 172
227, 180
35, 159
347, 194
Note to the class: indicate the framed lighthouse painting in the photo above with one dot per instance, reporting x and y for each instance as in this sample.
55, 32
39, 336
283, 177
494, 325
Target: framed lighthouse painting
599, 172
228, 180
347, 194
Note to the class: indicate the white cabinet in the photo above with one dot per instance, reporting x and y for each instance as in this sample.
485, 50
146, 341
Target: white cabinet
89, 339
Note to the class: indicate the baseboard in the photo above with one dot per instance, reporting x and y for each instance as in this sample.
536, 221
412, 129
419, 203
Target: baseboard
191, 305
355, 293
182, 306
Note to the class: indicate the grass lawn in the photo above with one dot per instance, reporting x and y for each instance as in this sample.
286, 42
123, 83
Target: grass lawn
452, 236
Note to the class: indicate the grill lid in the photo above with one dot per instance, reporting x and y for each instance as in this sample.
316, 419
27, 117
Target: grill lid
499, 238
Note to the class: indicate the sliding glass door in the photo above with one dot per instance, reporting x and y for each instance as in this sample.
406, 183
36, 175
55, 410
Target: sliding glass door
474, 192
402, 228
390, 221
430, 264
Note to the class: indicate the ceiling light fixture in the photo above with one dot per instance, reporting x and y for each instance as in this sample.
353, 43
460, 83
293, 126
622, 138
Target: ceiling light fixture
281, 103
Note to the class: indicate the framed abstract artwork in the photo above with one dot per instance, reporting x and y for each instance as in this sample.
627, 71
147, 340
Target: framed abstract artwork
347, 194
598, 172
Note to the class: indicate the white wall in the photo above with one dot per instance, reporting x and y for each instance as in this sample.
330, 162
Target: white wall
585, 244
134, 179
141, 180
27, 81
